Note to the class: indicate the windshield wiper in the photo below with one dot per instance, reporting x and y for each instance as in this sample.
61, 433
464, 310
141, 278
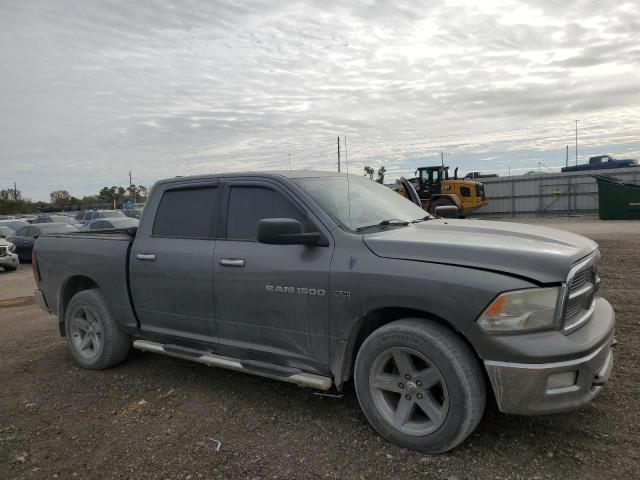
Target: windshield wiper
386, 223
423, 219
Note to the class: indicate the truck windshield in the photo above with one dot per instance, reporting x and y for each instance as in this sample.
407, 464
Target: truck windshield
360, 203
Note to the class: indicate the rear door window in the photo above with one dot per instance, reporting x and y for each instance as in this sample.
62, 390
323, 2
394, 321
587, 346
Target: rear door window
248, 204
187, 213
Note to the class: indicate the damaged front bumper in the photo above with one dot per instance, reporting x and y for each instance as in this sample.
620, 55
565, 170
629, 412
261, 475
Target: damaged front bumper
539, 388
7, 256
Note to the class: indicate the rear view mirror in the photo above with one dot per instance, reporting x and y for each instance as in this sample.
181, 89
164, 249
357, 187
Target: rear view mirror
285, 231
447, 211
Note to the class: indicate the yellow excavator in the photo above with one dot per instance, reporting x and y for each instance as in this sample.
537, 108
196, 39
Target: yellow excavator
433, 188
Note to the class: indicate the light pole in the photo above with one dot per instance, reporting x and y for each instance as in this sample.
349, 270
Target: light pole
576, 122
508, 165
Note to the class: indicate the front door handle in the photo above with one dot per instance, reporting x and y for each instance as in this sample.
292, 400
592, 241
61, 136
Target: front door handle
149, 257
232, 262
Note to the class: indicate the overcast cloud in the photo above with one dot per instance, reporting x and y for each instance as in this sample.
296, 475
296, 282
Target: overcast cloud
91, 90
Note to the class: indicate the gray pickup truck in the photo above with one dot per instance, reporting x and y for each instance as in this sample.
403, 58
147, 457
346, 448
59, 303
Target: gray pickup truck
320, 279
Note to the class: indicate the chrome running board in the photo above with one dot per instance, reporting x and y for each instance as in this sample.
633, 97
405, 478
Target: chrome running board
288, 375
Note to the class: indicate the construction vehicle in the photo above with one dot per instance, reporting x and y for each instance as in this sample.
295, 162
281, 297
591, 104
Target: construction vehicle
434, 188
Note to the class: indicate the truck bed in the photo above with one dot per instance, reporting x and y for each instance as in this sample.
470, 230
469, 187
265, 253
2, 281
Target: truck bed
100, 257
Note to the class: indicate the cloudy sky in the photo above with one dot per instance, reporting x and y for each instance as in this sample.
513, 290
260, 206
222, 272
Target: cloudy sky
92, 89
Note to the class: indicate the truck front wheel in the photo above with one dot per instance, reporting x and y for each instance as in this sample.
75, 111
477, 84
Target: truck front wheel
419, 385
92, 333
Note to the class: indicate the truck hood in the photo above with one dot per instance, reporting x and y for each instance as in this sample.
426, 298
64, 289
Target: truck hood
542, 254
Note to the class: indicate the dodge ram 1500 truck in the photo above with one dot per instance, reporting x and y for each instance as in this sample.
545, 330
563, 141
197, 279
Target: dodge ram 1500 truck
319, 279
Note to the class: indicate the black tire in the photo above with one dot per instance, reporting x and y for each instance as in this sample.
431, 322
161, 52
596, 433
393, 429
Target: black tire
9, 268
458, 396
441, 202
87, 319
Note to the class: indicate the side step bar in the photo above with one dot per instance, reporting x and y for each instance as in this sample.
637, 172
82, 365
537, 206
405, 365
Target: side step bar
288, 375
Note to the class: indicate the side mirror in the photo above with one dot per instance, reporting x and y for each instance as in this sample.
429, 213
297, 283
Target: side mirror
447, 211
285, 231
36, 235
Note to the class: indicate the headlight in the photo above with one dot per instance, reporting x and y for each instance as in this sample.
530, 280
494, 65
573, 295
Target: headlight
12, 247
520, 310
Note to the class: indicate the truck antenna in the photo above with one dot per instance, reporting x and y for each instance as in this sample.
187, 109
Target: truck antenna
346, 162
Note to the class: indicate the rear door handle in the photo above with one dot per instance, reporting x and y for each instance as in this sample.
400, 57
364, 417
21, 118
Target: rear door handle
232, 262
149, 257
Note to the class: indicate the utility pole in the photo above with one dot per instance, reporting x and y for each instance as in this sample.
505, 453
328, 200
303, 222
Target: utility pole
289, 162
338, 153
442, 158
566, 157
576, 122
131, 190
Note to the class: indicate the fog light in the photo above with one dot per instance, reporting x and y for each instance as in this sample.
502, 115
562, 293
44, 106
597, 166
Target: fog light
562, 380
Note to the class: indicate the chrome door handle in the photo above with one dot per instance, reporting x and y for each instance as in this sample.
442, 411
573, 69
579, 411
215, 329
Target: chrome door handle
232, 262
149, 257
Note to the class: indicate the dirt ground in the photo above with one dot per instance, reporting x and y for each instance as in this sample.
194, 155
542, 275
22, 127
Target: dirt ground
163, 418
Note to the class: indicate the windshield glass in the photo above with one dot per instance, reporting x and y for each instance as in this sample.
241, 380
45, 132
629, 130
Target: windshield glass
371, 203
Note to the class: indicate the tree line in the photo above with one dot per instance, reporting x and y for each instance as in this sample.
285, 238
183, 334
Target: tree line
12, 201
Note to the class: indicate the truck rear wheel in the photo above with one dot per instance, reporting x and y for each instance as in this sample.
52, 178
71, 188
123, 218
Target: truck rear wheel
92, 333
419, 385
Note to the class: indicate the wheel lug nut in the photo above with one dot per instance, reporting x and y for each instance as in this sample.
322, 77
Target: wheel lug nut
419, 396
401, 385
408, 397
419, 383
407, 376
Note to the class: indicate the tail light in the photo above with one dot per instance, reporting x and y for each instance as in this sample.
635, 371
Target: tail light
34, 265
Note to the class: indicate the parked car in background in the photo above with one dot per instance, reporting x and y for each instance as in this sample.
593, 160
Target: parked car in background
110, 223
8, 258
81, 214
601, 162
14, 224
88, 215
47, 218
133, 213
25, 237
6, 231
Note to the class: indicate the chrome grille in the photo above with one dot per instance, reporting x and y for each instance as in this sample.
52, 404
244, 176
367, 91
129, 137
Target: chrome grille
582, 287
580, 279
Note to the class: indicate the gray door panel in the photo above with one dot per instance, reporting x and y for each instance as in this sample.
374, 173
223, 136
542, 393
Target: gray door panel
173, 292
275, 308
171, 265
272, 301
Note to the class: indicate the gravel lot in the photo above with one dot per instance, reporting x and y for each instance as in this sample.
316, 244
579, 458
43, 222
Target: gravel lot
158, 417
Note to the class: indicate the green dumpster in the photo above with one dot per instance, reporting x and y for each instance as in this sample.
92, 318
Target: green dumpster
617, 200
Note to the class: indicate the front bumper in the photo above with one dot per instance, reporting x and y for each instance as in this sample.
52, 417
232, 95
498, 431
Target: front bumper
9, 260
561, 384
